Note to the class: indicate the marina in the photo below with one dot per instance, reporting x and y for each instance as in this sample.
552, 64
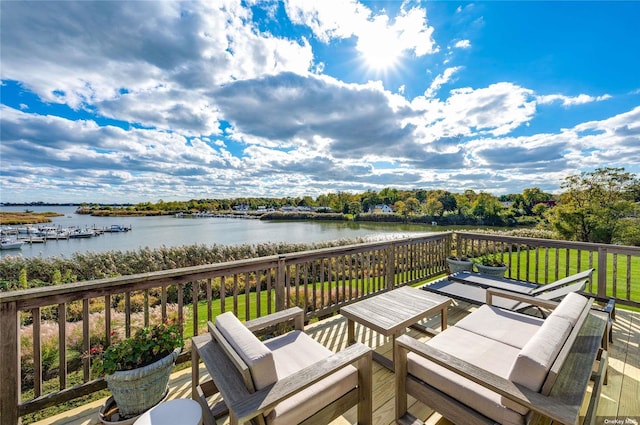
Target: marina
15, 237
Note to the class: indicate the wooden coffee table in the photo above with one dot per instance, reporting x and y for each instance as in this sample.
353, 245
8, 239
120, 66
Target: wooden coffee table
392, 312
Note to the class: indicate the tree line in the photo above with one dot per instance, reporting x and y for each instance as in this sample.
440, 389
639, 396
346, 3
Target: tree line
597, 206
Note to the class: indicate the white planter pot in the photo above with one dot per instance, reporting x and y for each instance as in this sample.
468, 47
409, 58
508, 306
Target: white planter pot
492, 270
459, 265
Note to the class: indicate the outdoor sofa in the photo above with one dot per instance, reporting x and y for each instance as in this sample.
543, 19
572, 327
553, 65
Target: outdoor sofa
500, 366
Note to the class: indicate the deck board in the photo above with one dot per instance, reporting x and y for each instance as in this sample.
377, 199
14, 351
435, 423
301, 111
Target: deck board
618, 400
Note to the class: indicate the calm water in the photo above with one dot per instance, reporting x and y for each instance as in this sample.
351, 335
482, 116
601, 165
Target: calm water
155, 232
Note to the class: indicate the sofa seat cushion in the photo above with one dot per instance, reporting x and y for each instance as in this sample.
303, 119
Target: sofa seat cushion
253, 352
295, 351
570, 307
508, 327
493, 356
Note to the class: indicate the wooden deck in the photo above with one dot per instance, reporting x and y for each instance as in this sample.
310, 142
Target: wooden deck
619, 398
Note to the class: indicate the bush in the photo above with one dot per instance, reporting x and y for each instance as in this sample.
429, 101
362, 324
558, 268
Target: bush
628, 232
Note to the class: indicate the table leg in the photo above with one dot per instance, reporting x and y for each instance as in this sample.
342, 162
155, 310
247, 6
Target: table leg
443, 318
351, 332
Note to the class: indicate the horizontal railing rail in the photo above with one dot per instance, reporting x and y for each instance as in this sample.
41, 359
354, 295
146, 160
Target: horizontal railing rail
617, 268
45, 326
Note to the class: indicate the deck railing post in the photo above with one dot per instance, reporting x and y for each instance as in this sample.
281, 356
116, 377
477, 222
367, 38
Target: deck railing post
391, 267
9, 364
602, 272
280, 284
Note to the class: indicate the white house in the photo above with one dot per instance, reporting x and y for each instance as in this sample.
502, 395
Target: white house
381, 209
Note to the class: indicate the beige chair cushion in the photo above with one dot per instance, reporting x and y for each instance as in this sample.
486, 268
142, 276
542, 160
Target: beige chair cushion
251, 350
295, 351
508, 327
488, 354
570, 307
536, 357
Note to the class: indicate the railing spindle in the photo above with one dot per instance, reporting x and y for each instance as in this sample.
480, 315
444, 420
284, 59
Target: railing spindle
62, 344
37, 352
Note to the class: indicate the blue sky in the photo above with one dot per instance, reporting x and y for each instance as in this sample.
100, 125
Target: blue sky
114, 101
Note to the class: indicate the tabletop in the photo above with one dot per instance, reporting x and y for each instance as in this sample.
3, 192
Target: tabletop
395, 310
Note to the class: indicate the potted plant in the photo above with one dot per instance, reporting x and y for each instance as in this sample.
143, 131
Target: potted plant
490, 264
137, 369
459, 263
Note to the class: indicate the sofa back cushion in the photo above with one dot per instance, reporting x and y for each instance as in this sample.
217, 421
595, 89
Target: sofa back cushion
252, 351
570, 308
535, 359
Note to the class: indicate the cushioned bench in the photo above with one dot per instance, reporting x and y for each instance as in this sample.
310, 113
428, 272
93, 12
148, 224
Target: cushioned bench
501, 366
288, 379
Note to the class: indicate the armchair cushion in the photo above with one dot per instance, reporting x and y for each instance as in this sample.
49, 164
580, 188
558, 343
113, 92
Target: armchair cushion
291, 353
253, 352
506, 326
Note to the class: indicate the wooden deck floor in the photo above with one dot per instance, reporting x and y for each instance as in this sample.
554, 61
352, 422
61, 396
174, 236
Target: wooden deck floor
619, 398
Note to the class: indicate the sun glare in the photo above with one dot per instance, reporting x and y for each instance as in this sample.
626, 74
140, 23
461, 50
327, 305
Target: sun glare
379, 51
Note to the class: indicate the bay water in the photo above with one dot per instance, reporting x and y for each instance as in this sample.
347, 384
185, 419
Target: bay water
169, 231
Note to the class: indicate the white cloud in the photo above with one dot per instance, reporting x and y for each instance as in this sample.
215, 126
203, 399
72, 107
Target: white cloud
463, 44
496, 109
441, 79
156, 72
331, 19
570, 100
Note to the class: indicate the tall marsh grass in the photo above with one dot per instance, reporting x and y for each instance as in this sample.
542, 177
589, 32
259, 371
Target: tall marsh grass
89, 266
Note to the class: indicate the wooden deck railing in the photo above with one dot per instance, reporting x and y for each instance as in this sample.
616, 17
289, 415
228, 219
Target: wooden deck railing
319, 281
617, 268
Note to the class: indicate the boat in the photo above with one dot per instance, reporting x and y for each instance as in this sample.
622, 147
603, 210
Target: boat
28, 230
10, 244
115, 228
78, 233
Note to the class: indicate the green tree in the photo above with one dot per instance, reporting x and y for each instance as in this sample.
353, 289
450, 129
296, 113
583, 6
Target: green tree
354, 207
401, 208
369, 199
412, 205
539, 209
628, 232
533, 196
464, 201
389, 196
487, 208
592, 205
448, 201
433, 206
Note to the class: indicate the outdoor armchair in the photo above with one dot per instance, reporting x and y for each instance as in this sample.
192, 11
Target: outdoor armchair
287, 379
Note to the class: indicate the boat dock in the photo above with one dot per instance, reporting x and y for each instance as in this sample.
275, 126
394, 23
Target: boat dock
41, 234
